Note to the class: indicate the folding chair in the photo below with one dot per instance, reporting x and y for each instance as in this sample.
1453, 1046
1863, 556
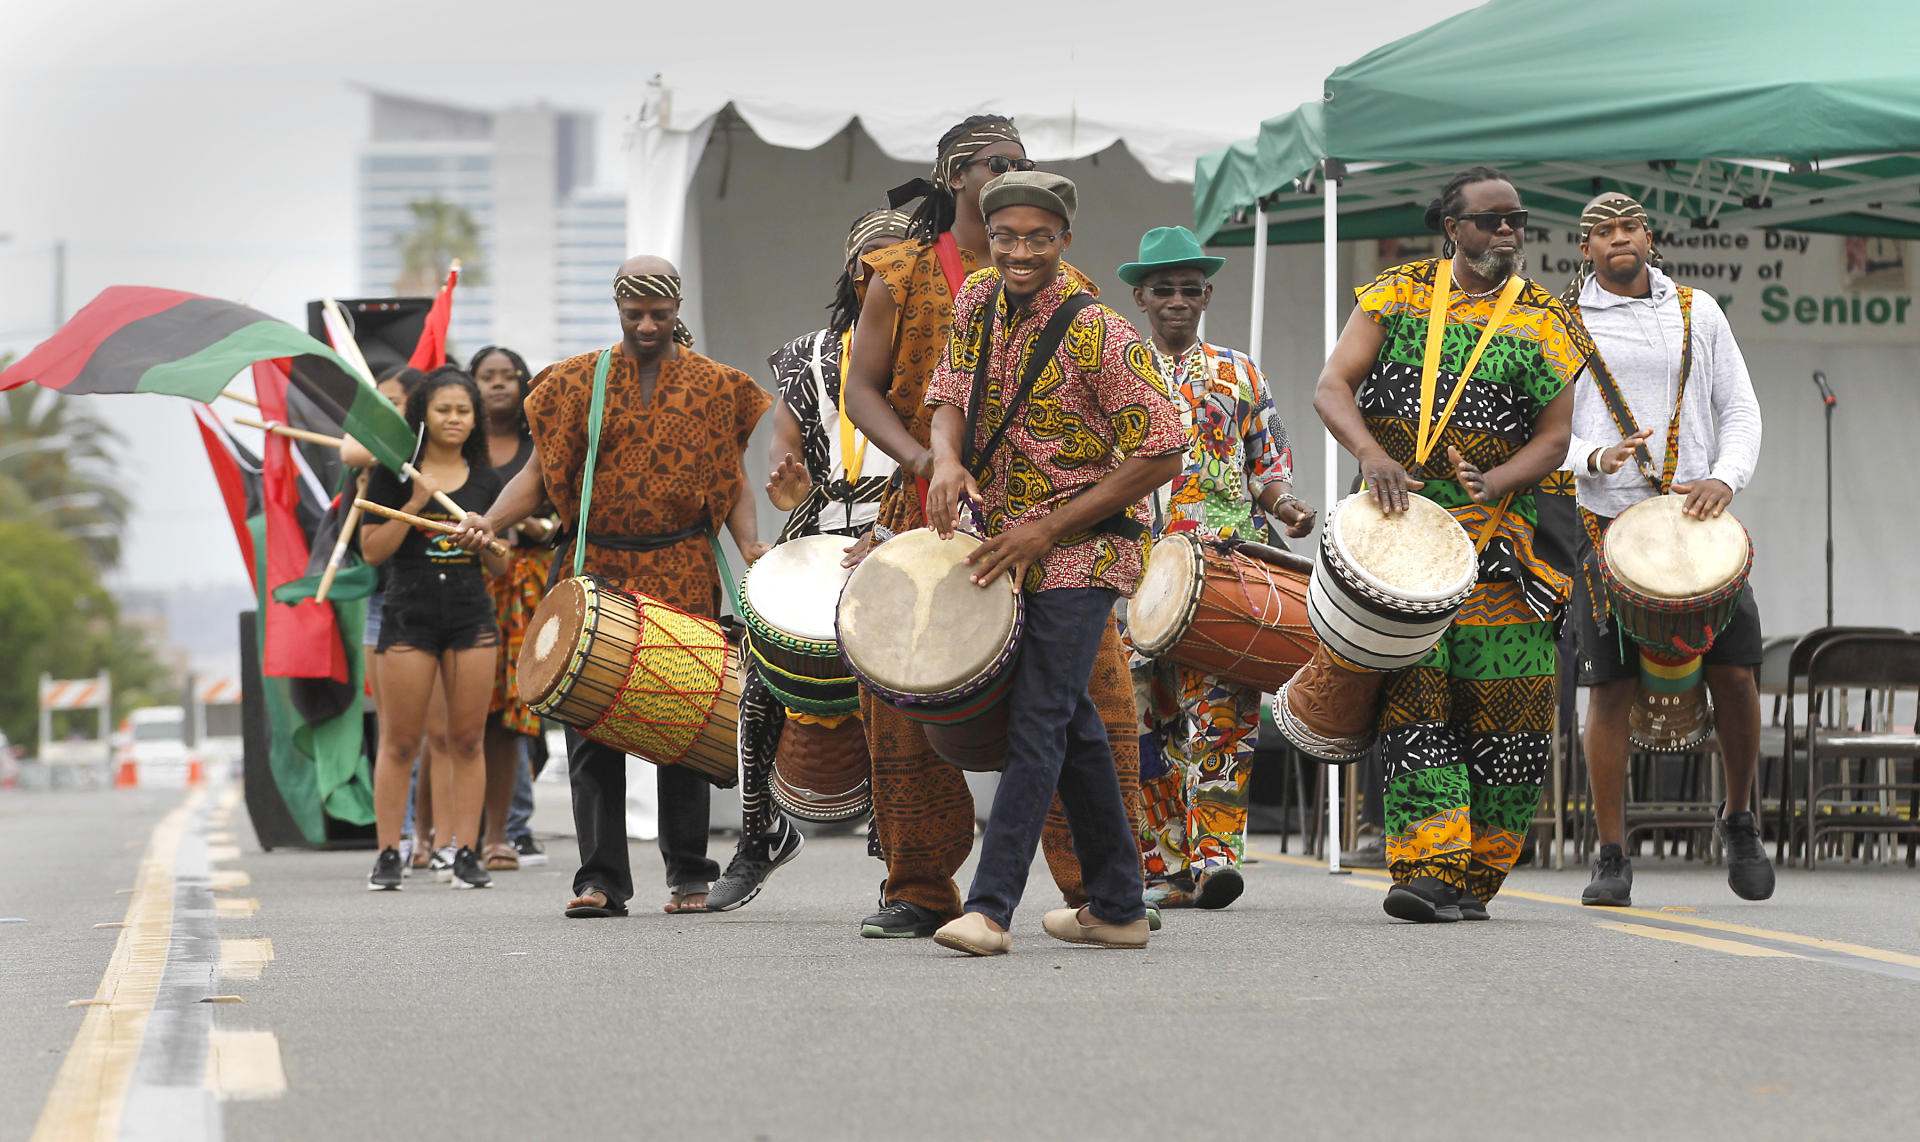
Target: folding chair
1881, 668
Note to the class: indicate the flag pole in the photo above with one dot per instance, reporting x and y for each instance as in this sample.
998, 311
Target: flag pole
497, 547
291, 432
350, 352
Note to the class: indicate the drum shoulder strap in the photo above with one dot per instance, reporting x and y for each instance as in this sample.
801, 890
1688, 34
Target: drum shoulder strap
1044, 348
1660, 478
595, 411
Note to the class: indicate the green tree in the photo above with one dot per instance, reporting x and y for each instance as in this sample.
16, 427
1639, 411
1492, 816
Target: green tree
60, 458
442, 231
56, 618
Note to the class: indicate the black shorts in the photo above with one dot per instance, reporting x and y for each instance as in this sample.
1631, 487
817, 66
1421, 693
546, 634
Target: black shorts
1603, 660
438, 611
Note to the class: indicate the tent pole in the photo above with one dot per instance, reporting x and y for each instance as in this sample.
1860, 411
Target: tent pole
1330, 242
1257, 327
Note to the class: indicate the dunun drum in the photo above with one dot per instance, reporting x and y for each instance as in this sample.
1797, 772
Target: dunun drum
918, 633
1385, 588
1673, 583
821, 771
787, 602
633, 673
1235, 610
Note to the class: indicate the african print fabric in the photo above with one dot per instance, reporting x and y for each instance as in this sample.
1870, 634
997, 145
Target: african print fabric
1236, 445
925, 812
516, 596
806, 374
1096, 403
1537, 352
1193, 816
664, 465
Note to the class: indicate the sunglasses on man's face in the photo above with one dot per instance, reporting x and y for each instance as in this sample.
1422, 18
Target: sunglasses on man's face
1190, 292
1001, 164
1490, 220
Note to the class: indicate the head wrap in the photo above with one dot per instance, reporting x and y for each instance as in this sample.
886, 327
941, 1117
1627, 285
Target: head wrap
968, 143
654, 285
878, 223
1614, 204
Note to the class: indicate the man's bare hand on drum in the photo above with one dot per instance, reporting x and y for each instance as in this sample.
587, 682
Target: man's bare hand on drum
857, 550
951, 482
1014, 550
475, 533
1297, 514
754, 550
1610, 460
789, 484
1388, 481
1472, 480
1705, 498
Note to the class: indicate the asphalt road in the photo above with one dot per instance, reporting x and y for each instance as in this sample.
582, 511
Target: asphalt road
1303, 1011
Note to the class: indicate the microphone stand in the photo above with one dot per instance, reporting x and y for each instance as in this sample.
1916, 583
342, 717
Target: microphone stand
1826, 397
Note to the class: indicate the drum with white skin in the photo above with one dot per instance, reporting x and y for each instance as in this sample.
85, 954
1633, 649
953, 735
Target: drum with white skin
787, 602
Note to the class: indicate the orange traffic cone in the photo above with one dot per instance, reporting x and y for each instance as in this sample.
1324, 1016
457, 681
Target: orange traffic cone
128, 776
196, 774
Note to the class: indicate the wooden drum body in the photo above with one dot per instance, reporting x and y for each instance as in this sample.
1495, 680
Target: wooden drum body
787, 602
631, 672
1384, 591
1238, 611
1673, 584
821, 771
925, 639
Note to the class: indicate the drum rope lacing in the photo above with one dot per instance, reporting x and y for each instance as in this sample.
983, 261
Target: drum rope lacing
1247, 653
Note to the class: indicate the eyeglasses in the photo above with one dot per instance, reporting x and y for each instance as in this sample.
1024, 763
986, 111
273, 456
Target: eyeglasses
1007, 243
1190, 292
1001, 164
1490, 220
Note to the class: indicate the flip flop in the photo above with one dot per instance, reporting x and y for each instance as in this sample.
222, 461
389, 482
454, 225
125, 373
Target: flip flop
674, 906
601, 911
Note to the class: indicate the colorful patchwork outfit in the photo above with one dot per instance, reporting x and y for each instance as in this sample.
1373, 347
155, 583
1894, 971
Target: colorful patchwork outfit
1194, 812
1464, 733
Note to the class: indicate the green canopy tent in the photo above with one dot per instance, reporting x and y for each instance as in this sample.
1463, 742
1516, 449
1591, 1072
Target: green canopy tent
1722, 114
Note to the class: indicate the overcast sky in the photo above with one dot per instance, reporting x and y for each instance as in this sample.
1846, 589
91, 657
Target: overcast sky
210, 146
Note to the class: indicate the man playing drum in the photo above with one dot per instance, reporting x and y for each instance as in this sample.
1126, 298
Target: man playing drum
1239, 470
1464, 733
1666, 380
922, 808
1049, 417
668, 471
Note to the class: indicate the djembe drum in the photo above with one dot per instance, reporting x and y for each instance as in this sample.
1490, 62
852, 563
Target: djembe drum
1673, 583
1232, 609
1384, 590
927, 640
631, 672
787, 602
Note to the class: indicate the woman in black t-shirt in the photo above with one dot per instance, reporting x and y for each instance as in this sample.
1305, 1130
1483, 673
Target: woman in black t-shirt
437, 623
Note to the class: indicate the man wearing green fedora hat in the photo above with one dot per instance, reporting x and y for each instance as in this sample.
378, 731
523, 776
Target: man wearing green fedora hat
1237, 473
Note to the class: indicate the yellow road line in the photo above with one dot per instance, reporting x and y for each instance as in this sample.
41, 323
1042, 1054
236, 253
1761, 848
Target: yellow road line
235, 908
90, 1092
245, 1065
245, 958
1730, 947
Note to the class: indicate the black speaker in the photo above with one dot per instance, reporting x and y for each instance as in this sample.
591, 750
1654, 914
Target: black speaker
266, 809
385, 328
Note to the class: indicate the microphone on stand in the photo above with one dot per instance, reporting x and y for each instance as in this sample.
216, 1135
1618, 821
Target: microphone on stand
1826, 393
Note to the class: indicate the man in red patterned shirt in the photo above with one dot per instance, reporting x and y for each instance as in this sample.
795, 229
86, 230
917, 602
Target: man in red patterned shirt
1049, 415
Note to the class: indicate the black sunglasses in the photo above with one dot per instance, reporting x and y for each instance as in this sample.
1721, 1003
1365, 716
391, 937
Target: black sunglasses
1490, 220
1191, 292
1001, 164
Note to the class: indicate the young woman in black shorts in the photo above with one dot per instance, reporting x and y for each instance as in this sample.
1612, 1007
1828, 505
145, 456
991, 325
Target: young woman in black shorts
437, 624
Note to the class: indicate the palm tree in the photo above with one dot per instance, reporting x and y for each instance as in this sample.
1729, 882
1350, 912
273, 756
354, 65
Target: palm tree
59, 459
442, 231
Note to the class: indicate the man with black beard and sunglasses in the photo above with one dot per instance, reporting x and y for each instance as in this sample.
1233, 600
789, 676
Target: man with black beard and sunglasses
1464, 733
1237, 474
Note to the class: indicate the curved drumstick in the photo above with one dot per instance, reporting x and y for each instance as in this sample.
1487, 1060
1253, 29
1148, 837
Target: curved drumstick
497, 547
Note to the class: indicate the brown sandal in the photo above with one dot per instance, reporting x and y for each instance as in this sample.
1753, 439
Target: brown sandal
501, 858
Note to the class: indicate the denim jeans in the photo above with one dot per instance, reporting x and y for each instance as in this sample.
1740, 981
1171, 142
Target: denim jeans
1057, 741
520, 811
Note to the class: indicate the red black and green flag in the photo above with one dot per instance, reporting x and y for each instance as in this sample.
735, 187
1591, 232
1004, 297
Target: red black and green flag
138, 339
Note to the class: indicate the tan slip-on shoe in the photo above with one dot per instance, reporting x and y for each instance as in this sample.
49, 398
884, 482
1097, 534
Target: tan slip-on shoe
972, 934
1064, 924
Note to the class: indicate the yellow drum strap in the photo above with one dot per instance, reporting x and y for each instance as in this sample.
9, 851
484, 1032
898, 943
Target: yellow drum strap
1425, 441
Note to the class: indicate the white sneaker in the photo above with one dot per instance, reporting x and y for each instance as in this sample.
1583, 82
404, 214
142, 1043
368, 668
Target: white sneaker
406, 856
441, 865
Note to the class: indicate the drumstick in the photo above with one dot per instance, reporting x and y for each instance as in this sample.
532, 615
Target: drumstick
291, 432
497, 547
339, 553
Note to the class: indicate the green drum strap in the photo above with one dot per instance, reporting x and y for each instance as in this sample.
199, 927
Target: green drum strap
594, 414
726, 570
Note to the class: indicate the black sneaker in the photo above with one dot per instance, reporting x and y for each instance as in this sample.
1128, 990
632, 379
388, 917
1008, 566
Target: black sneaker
1471, 907
901, 920
754, 860
1612, 883
1153, 919
1371, 853
1749, 872
1219, 888
385, 876
529, 849
468, 872
1424, 900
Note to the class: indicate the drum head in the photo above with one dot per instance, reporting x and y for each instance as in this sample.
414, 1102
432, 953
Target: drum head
551, 638
1162, 604
795, 587
1658, 550
912, 621
1422, 555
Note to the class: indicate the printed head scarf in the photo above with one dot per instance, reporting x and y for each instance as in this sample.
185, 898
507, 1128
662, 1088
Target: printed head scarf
970, 140
876, 224
1605, 209
654, 285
